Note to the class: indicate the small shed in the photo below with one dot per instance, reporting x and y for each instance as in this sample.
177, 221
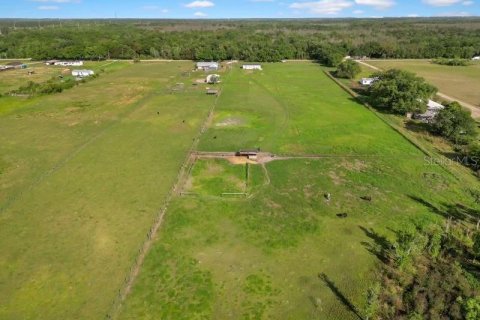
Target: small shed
82, 73
212, 92
208, 66
251, 154
212, 78
367, 81
252, 67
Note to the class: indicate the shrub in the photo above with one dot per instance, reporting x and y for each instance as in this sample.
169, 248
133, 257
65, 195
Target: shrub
452, 62
348, 69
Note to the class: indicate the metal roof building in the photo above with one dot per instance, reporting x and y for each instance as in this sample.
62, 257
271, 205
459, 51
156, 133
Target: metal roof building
205, 66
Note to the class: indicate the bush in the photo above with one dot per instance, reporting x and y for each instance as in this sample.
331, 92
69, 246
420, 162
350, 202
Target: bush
433, 286
452, 62
54, 85
348, 69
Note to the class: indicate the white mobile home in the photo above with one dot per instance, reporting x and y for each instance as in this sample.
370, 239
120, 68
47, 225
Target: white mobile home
207, 66
252, 67
69, 63
82, 73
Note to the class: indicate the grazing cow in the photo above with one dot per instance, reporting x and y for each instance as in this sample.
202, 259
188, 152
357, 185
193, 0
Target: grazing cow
328, 196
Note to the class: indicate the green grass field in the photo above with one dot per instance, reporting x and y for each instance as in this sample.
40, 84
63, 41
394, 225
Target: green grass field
458, 82
83, 175
282, 252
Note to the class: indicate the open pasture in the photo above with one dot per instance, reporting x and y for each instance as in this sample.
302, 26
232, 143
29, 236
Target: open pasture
459, 82
83, 175
283, 252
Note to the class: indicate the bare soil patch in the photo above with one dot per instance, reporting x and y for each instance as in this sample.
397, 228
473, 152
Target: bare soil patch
240, 160
230, 122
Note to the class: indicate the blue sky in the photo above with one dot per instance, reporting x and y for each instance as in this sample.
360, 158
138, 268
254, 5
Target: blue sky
235, 8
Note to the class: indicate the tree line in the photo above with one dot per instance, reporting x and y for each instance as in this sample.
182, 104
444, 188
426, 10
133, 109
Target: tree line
249, 40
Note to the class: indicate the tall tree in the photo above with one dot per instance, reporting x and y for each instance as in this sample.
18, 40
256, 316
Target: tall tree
348, 69
400, 92
455, 123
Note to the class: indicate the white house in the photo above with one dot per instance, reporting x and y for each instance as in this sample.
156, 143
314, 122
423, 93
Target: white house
206, 66
476, 58
433, 108
252, 67
212, 78
82, 73
69, 63
367, 81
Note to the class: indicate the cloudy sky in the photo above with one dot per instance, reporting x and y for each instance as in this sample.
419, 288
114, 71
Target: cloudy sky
235, 8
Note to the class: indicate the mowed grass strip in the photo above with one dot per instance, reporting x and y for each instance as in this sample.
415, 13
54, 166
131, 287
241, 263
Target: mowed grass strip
283, 253
69, 241
459, 82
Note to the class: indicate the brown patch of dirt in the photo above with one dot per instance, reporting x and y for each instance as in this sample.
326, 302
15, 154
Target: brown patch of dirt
213, 169
308, 192
337, 180
237, 183
354, 165
230, 122
272, 204
240, 160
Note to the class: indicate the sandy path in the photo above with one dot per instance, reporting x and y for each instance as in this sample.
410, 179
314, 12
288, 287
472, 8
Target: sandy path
474, 109
368, 65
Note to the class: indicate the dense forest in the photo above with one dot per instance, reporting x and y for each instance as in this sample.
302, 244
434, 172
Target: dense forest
253, 40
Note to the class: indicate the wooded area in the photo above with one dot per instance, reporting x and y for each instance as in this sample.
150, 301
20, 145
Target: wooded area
253, 40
